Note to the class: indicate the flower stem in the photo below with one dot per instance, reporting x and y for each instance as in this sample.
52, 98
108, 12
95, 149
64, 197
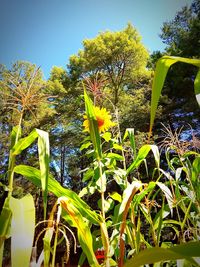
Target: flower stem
104, 231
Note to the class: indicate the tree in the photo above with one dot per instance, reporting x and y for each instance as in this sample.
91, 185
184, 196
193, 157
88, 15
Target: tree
119, 57
182, 34
65, 131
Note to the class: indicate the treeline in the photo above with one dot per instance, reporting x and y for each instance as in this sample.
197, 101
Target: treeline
117, 71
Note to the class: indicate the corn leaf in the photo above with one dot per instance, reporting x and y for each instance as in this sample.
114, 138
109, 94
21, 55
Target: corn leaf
131, 134
162, 68
43, 150
5, 222
142, 154
128, 194
167, 194
195, 178
156, 254
15, 135
25, 142
44, 154
84, 234
22, 230
33, 175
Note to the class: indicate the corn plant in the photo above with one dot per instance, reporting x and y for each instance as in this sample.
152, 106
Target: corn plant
17, 219
119, 219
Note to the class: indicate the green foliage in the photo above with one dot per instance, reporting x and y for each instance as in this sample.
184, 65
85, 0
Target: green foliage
182, 33
162, 68
118, 56
184, 251
135, 214
124, 211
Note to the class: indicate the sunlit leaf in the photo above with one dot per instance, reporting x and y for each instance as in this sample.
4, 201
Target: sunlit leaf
106, 136
44, 154
43, 150
143, 152
114, 156
116, 196
162, 68
167, 194
183, 251
22, 230
33, 175
131, 135
15, 135
25, 142
128, 192
84, 234
85, 145
93, 126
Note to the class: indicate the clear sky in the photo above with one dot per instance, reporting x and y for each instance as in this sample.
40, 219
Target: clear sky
47, 32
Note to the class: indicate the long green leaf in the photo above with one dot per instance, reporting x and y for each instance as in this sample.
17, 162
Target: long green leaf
167, 194
5, 221
43, 150
143, 152
22, 230
33, 175
183, 251
93, 126
84, 234
195, 179
131, 134
15, 135
25, 142
162, 68
127, 194
5, 218
197, 86
44, 154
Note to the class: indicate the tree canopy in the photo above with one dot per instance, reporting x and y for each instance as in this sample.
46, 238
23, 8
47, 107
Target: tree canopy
182, 34
119, 56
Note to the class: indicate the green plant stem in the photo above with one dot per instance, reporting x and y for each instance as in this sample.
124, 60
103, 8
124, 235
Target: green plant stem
56, 235
122, 229
102, 190
119, 132
186, 216
104, 232
12, 158
120, 138
134, 230
54, 247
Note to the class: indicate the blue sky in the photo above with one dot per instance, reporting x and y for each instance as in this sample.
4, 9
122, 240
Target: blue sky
47, 32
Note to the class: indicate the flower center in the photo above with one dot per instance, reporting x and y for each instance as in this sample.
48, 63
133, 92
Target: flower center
100, 121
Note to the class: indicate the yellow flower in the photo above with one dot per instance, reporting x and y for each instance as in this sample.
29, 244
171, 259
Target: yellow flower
103, 118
